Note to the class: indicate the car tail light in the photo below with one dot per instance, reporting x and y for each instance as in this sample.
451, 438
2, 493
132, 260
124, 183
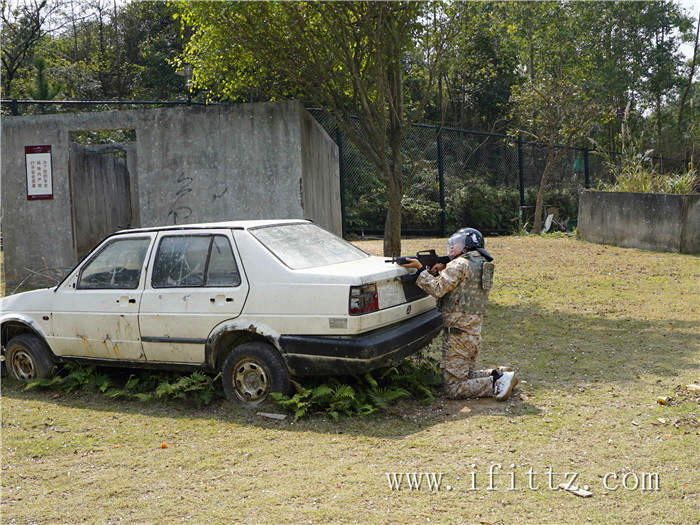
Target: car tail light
363, 299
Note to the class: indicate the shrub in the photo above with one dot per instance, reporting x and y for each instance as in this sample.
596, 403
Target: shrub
142, 385
364, 394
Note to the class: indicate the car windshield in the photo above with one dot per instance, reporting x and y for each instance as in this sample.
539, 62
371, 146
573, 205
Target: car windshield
302, 246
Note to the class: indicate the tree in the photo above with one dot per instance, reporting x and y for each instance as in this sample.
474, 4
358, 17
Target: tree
480, 65
691, 74
351, 57
42, 88
557, 104
24, 23
555, 112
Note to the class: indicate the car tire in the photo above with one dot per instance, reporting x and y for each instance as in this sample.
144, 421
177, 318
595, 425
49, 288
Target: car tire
28, 357
253, 370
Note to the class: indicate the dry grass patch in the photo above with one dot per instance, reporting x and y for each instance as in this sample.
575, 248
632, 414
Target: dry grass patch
596, 334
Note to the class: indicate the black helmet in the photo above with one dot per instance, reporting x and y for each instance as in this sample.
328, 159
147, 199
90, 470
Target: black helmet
473, 240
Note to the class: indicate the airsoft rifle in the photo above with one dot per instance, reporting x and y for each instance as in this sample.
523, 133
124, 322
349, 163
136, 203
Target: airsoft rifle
427, 258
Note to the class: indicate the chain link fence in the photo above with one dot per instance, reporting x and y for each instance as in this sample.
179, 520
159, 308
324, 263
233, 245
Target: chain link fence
456, 177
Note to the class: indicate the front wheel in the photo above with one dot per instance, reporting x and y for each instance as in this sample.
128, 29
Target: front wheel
253, 370
28, 357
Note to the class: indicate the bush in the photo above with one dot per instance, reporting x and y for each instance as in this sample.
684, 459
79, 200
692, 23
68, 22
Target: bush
638, 179
362, 395
469, 202
142, 385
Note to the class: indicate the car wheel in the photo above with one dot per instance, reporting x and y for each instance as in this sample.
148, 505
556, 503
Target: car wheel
253, 370
28, 357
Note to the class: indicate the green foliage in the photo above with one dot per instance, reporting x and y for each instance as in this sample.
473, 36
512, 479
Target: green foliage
481, 206
42, 88
640, 180
362, 395
634, 170
197, 387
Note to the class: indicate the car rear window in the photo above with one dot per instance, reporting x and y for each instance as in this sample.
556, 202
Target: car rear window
302, 246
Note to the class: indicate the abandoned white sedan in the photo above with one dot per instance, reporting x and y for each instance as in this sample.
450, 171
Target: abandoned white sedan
259, 301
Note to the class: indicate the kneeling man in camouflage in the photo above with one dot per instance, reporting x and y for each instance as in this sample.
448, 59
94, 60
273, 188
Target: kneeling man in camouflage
461, 288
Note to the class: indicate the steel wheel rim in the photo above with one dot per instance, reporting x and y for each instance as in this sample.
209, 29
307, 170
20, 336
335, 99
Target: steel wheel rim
251, 380
23, 365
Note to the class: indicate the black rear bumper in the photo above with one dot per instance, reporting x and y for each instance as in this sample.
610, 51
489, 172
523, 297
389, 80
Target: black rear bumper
337, 355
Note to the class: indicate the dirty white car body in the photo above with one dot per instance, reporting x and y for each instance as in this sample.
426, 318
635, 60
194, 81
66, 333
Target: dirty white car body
259, 301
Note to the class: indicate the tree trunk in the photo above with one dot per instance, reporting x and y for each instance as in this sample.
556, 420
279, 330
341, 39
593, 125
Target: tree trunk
394, 188
552, 160
691, 74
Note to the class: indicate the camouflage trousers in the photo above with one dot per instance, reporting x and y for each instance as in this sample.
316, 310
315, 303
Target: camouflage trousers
460, 348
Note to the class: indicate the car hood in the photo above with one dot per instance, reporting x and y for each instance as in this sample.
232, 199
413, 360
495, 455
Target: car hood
32, 300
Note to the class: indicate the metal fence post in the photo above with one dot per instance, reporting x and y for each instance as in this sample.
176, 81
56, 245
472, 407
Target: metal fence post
441, 181
341, 173
586, 172
521, 177
14, 107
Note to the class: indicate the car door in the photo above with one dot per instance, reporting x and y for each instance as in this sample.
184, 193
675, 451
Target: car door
195, 282
95, 311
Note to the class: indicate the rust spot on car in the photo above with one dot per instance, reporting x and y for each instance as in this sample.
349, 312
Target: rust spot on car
86, 345
114, 348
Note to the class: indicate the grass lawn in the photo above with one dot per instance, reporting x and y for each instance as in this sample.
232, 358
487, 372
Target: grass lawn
595, 334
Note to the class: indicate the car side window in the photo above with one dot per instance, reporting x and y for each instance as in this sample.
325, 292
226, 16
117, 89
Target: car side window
194, 261
117, 266
180, 261
222, 269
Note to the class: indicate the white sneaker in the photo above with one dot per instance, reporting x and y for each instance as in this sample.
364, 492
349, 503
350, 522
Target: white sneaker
503, 369
503, 386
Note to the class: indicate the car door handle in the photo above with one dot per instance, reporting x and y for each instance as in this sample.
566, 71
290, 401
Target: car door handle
220, 299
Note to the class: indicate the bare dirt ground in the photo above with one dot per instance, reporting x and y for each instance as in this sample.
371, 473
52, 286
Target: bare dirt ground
595, 334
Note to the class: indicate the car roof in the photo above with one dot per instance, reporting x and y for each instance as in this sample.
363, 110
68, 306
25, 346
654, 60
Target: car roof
235, 225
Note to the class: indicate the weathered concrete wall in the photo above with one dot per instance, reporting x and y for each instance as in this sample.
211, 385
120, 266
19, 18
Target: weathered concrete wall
191, 164
320, 181
650, 221
690, 230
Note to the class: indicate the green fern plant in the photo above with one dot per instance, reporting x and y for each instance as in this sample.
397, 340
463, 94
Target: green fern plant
141, 385
364, 394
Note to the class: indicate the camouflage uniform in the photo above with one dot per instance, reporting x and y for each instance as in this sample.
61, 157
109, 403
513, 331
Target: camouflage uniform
462, 293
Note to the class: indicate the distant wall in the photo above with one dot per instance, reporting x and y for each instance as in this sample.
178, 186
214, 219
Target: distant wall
650, 221
191, 164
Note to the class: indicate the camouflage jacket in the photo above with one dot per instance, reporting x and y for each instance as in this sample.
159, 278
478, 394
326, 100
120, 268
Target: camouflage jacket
462, 287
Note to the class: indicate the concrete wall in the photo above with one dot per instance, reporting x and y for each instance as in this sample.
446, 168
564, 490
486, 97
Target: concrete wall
192, 164
650, 221
320, 194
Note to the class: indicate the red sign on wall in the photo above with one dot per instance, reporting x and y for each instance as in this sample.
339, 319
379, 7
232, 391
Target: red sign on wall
37, 163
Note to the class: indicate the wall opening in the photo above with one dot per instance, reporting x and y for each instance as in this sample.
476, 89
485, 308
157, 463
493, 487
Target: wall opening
104, 196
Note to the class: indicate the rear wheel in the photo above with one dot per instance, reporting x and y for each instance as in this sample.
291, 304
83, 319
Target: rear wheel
253, 370
28, 357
